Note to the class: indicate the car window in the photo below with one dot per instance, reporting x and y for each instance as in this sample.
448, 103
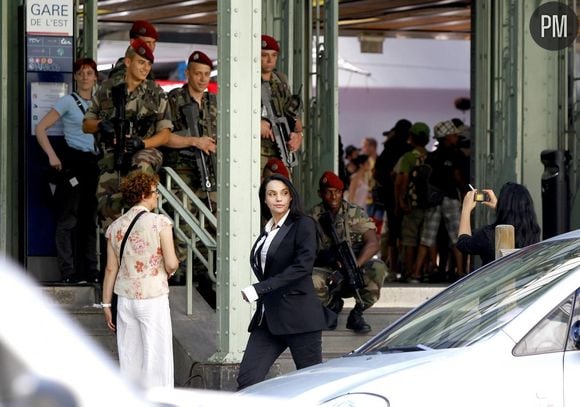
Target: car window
550, 334
482, 303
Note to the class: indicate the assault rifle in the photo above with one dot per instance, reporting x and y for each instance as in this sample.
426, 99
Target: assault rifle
204, 162
280, 127
344, 256
118, 93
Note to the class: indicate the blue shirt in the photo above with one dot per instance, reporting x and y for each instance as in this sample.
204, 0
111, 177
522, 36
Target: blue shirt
72, 120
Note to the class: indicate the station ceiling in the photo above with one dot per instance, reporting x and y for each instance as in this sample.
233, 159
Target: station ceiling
390, 18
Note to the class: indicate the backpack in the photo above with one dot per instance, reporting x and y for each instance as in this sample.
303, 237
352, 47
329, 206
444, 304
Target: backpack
421, 193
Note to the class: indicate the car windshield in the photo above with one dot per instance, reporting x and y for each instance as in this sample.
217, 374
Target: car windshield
482, 303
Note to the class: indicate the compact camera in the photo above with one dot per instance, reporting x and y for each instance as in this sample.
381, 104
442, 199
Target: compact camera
481, 196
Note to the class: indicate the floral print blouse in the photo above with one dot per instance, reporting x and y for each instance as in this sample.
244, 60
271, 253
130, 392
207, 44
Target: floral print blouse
142, 272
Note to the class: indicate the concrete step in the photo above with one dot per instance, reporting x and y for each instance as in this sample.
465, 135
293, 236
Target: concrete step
342, 340
78, 301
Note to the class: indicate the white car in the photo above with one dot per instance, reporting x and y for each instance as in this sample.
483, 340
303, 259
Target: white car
46, 360
505, 335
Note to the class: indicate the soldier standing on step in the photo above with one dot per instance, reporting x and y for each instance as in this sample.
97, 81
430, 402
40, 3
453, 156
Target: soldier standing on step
352, 224
179, 156
282, 102
191, 152
145, 125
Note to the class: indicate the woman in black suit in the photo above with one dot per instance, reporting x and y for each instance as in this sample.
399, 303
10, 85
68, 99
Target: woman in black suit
289, 314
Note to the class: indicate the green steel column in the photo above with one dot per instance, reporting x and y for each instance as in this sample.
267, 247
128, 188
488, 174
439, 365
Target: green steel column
519, 97
238, 168
322, 136
11, 91
90, 32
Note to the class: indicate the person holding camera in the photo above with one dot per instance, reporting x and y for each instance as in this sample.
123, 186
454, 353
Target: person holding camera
514, 207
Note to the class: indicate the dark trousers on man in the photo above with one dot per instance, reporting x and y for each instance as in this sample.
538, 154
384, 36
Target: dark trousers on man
264, 348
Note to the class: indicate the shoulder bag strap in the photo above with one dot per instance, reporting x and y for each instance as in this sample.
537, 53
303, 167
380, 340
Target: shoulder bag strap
79, 103
127, 233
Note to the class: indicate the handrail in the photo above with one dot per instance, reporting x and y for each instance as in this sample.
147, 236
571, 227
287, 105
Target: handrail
175, 201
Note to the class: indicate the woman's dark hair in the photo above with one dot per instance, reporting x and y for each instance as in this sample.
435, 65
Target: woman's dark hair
82, 62
360, 160
515, 207
136, 186
295, 204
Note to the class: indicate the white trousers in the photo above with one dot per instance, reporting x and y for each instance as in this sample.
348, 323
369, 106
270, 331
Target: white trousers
145, 341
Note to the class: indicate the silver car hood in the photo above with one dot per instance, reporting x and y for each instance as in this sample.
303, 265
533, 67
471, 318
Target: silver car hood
341, 375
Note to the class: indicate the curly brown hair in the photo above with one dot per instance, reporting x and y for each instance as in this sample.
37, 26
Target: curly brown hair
136, 186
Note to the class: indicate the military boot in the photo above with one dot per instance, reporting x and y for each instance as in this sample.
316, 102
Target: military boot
356, 322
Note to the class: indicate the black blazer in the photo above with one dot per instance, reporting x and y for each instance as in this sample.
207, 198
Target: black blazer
285, 289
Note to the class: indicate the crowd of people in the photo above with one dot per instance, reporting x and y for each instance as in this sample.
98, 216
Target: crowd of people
426, 202
118, 135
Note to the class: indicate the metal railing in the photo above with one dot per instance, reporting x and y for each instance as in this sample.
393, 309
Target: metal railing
191, 218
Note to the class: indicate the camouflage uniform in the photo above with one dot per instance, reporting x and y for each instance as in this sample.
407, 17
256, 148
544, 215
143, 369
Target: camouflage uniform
281, 105
374, 270
147, 109
184, 165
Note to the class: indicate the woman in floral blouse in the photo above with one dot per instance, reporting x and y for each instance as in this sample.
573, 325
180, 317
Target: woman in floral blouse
139, 278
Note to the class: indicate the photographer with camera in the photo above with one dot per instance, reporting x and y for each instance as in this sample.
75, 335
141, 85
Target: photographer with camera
514, 207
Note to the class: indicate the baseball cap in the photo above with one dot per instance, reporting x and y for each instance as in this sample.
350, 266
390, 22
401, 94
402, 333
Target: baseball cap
419, 128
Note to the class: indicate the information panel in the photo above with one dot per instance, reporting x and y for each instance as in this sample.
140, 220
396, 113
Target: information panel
43, 96
49, 54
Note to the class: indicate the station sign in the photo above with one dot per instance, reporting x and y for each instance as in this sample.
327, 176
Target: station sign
50, 17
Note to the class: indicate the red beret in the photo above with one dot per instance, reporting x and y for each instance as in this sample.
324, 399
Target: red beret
277, 167
200, 58
270, 43
142, 49
330, 180
142, 28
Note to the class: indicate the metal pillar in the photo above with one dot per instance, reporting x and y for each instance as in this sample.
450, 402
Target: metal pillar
511, 118
239, 32
11, 91
322, 135
90, 32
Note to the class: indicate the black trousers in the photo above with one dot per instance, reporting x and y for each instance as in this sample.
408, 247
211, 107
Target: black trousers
76, 208
264, 348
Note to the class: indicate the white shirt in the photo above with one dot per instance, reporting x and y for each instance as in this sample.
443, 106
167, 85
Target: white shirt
271, 231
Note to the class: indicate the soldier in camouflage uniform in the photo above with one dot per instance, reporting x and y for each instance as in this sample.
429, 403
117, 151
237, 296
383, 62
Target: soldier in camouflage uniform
144, 31
178, 156
282, 103
178, 152
147, 118
353, 224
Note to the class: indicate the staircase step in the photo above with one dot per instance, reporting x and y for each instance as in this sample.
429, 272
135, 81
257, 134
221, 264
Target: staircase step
69, 296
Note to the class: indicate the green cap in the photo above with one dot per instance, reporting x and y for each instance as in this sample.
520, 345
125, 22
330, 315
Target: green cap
418, 128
